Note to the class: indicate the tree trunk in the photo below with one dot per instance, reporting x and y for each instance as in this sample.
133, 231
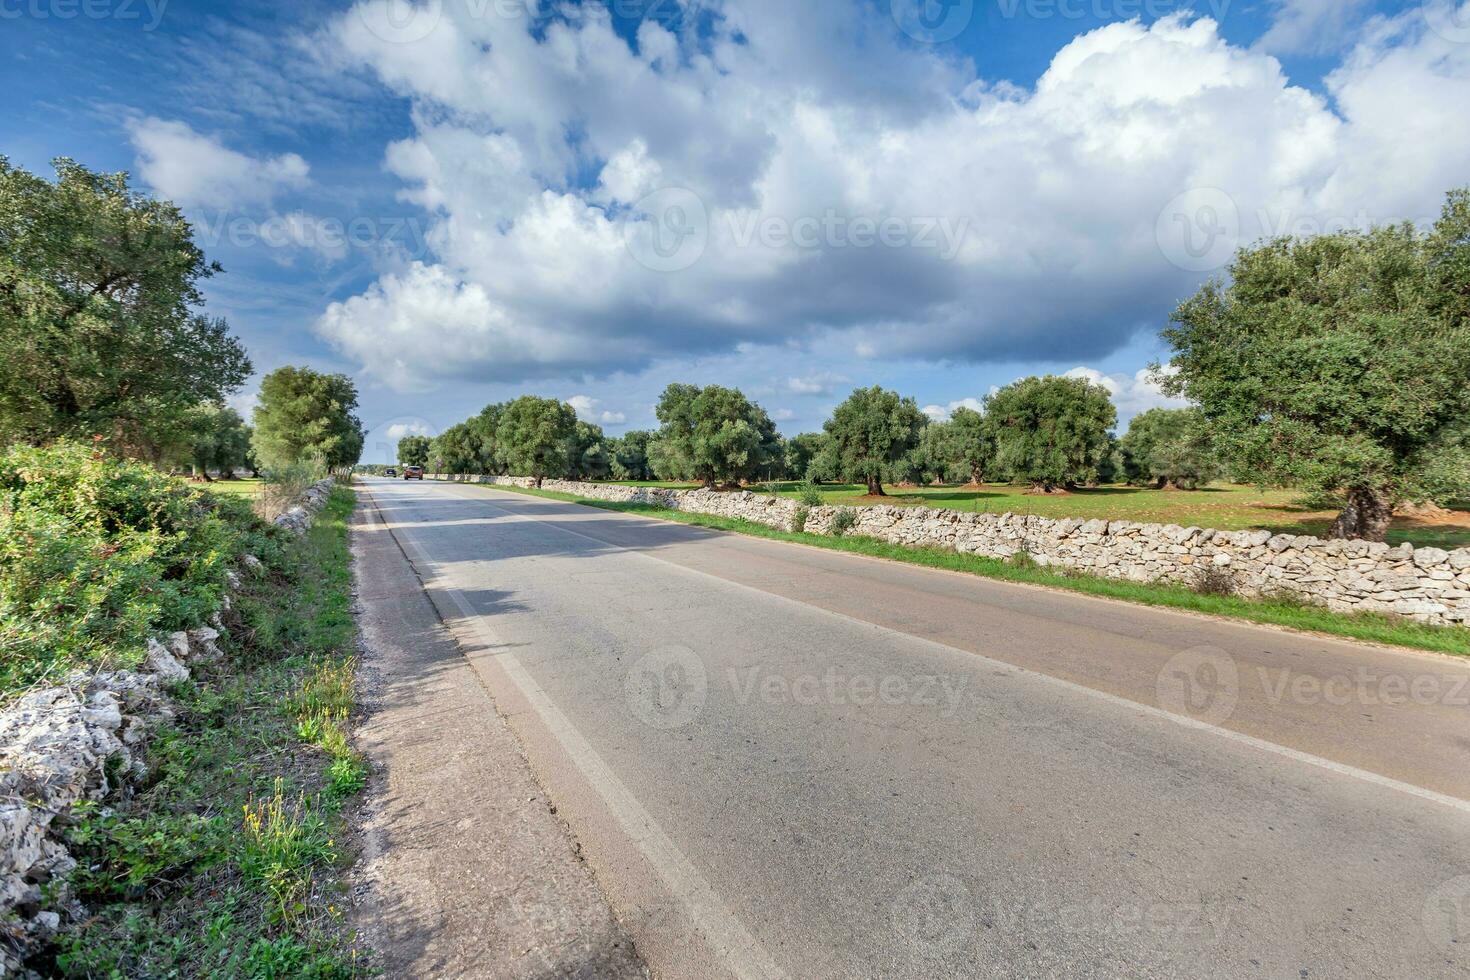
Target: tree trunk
875, 487
1365, 515
977, 475
538, 481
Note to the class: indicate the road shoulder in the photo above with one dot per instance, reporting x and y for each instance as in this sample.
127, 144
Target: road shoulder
465, 869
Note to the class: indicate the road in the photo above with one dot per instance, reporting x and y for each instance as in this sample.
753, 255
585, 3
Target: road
784, 761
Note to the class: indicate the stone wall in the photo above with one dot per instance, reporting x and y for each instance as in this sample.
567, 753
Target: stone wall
1427, 584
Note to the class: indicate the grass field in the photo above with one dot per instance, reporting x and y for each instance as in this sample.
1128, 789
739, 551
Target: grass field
248, 487
1225, 507
1277, 612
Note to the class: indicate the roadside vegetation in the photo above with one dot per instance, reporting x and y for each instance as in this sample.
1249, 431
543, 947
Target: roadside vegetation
225, 860
1279, 611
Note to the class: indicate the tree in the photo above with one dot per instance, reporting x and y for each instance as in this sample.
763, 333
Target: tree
971, 443
872, 431
534, 434
630, 456
98, 322
712, 434
1169, 448
799, 451
455, 450
222, 442
588, 456
1050, 432
413, 451
486, 429
1339, 364
303, 416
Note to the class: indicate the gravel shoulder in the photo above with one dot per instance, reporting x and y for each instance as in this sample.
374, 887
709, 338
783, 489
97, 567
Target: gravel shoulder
465, 869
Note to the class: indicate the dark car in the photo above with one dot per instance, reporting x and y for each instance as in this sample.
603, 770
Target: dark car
413, 472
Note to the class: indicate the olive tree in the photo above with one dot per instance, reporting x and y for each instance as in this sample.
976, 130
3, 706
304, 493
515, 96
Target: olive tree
1339, 364
712, 434
99, 321
534, 436
413, 451
630, 456
970, 444
304, 416
1169, 448
1051, 432
872, 431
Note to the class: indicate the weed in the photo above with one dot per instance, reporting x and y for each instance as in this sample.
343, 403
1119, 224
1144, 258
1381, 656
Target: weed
843, 521
798, 520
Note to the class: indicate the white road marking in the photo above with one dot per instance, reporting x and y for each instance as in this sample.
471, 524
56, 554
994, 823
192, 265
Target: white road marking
1183, 721
731, 941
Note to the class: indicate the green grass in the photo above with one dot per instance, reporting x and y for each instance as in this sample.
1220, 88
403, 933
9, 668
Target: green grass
228, 861
1226, 507
1277, 612
247, 487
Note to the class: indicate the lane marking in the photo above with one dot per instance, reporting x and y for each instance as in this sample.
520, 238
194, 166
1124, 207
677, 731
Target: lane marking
1184, 721
732, 943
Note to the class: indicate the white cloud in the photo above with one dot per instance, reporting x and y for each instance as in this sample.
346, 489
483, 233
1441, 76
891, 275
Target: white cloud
820, 383
1310, 26
1064, 192
942, 413
194, 170
1131, 394
586, 408
398, 430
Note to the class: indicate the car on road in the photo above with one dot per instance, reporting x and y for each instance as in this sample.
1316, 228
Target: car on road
390, 471
413, 472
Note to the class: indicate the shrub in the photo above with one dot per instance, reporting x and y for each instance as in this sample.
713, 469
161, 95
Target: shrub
97, 554
285, 487
808, 494
1214, 580
843, 521
798, 520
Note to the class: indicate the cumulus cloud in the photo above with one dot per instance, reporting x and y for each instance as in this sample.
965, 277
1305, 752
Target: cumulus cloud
586, 408
942, 413
1310, 26
867, 194
195, 170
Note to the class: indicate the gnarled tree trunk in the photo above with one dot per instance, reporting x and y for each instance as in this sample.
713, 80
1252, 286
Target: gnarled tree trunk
1365, 515
875, 487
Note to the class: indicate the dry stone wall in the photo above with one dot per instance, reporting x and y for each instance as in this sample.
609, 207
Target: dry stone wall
1427, 584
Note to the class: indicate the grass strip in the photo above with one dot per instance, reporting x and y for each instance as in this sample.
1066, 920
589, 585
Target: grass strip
1283, 611
228, 860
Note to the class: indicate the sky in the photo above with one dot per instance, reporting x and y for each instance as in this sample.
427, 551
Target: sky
459, 201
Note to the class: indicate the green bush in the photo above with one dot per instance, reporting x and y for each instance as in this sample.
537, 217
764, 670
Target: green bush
97, 554
842, 521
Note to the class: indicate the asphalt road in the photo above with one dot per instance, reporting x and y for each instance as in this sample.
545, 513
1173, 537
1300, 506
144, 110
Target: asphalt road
782, 761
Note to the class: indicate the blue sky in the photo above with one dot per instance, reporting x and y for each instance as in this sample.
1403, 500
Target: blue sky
459, 201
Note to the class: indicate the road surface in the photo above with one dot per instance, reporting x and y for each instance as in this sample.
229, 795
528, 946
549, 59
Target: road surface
787, 762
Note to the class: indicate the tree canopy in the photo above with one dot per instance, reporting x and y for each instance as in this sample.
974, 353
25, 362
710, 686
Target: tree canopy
870, 432
221, 441
711, 434
414, 450
970, 444
99, 292
630, 456
1050, 432
304, 416
1339, 364
1169, 448
534, 436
